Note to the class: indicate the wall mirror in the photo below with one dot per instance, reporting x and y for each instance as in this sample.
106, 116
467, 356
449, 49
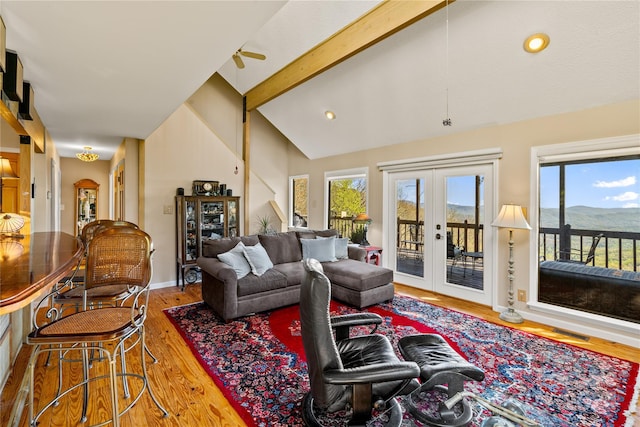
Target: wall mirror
86, 210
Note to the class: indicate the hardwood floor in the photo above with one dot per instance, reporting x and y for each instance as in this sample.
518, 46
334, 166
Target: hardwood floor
187, 391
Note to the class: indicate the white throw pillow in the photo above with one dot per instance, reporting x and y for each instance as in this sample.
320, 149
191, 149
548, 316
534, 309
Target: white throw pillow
235, 259
341, 246
324, 250
258, 259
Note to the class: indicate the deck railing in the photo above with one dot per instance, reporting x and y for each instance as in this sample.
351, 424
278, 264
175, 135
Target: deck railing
409, 235
344, 225
617, 249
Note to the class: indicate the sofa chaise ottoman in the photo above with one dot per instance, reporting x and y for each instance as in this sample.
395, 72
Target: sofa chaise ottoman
353, 281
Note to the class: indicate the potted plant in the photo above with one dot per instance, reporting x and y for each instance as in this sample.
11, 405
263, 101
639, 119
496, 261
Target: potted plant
357, 236
264, 225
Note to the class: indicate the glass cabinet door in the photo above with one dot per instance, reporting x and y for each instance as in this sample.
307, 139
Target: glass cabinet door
198, 219
211, 219
191, 243
232, 215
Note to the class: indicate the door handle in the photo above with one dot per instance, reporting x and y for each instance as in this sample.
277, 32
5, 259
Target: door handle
438, 236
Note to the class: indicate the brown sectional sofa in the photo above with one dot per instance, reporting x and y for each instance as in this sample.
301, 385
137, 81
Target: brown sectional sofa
353, 281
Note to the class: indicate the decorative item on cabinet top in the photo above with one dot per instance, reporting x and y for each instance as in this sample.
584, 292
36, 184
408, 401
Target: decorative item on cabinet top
205, 188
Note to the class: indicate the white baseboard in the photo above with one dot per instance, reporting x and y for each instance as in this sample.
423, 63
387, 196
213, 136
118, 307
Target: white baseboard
163, 285
583, 323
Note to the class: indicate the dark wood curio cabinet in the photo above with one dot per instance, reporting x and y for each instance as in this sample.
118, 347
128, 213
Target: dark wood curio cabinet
199, 218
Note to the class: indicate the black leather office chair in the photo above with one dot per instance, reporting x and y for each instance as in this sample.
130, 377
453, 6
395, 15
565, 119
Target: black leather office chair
357, 373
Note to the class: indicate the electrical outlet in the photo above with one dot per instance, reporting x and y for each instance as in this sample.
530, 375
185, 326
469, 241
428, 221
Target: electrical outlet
522, 295
168, 209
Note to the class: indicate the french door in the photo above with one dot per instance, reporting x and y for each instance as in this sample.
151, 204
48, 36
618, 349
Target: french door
439, 236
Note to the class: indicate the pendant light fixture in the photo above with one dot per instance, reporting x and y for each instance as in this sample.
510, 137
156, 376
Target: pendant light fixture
87, 155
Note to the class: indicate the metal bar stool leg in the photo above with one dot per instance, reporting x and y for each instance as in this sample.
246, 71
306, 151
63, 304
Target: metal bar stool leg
144, 373
114, 390
85, 386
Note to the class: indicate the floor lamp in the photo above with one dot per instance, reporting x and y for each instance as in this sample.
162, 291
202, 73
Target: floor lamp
511, 217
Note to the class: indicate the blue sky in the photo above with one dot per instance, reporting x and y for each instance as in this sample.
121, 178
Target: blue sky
460, 190
614, 184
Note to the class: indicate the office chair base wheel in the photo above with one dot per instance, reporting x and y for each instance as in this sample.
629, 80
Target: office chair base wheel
460, 415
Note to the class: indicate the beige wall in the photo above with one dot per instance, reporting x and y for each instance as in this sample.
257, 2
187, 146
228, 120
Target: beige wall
190, 146
73, 170
181, 150
514, 175
269, 174
514, 139
220, 107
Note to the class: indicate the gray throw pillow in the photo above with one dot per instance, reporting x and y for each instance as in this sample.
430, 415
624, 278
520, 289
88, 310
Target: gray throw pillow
324, 250
235, 259
258, 259
341, 246
281, 247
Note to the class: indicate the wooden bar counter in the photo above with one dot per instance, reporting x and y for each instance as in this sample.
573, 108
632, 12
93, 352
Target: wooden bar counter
29, 267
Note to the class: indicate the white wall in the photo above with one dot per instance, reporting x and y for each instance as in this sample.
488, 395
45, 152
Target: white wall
514, 179
181, 150
190, 146
73, 170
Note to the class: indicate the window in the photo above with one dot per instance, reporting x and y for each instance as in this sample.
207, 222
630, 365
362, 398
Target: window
587, 206
346, 198
580, 199
299, 201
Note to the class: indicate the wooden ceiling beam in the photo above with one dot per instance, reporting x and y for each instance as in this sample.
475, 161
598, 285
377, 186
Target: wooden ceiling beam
379, 23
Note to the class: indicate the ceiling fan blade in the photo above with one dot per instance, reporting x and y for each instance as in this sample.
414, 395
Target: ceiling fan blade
238, 61
253, 55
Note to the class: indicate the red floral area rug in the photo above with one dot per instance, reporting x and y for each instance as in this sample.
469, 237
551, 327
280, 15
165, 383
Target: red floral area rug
258, 362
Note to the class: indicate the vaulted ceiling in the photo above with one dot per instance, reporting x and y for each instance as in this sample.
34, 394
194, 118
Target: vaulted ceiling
105, 70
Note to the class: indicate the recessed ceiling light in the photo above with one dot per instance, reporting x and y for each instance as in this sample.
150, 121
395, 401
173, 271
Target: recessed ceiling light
330, 115
536, 43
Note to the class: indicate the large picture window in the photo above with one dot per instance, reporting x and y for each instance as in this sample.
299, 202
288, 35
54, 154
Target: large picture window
589, 229
582, 199
299, 201
346, 199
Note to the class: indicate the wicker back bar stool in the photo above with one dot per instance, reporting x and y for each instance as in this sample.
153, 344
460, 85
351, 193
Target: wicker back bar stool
116, 256
75, 296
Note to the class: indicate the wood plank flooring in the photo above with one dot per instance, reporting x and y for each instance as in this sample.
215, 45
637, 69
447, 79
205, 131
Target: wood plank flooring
187, 391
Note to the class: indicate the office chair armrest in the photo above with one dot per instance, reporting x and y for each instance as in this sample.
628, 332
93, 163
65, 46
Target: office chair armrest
377, 373
342, 324
355, 319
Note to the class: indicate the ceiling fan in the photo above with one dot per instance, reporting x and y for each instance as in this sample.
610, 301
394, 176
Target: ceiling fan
237, 57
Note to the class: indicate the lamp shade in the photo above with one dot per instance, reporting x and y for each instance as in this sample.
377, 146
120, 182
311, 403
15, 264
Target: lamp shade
10, 223
10, 249
511, 216
363, 217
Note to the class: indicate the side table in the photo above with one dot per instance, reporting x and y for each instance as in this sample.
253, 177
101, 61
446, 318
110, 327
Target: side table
374, 254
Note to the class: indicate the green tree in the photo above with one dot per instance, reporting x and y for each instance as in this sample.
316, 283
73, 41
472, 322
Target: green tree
300, 202
348, 196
